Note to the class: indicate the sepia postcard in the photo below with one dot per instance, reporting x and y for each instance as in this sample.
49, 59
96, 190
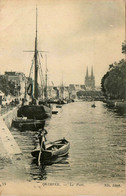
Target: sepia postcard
62, 97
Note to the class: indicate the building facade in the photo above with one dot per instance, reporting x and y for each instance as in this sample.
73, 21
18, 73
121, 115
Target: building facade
19, 80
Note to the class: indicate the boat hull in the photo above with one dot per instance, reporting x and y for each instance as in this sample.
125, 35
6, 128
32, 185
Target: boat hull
54, 160
93, 106
56, 149
28, 124
54, 112
54, 102
34, 112
58, 106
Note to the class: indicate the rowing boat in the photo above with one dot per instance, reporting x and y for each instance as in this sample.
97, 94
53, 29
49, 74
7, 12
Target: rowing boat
56, 149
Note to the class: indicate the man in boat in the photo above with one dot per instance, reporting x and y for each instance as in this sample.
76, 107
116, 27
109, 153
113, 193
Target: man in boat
42, 138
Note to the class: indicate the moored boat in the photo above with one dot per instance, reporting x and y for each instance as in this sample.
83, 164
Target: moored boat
59, 106
38, 112
62, 101
56, 149
93, 105
54, 112
33, 110
24, 124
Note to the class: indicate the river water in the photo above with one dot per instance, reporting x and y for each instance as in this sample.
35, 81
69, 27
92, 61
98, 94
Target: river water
97, 147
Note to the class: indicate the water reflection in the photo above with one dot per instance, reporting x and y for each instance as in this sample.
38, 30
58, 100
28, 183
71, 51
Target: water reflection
41, 172
119, 112
36, 172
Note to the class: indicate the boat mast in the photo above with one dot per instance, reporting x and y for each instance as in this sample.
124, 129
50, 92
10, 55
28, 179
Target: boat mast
46, 94
36, 65
62, 87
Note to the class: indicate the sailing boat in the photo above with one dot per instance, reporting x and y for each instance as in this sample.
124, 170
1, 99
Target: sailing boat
34, 110
62, 99
45, 89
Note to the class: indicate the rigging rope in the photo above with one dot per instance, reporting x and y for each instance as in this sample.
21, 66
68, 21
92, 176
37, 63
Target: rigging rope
41, 73
31, 69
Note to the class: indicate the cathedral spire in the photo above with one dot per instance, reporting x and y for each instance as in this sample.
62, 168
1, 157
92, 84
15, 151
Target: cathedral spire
90, 80
87, 73
92, 71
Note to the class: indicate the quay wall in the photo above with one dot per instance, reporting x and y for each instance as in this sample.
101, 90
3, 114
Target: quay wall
6, 137
9, 116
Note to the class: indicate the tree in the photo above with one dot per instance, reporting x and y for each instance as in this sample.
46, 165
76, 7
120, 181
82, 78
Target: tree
113, 83
124, 47
6, 86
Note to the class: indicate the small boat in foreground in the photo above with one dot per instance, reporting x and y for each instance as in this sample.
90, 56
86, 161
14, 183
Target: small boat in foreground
56, 149
54, 160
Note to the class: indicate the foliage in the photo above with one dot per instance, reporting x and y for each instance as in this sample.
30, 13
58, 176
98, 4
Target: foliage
7, 87
89, 93
113, 83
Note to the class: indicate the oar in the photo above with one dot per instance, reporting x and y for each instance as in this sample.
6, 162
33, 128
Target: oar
39, 157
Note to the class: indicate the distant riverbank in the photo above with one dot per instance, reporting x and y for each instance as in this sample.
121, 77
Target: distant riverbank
119, 104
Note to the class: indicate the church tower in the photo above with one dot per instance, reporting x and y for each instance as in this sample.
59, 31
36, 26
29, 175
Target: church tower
86, 78
90, 80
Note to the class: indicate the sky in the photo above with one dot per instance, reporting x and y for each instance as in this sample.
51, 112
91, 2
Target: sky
76, 33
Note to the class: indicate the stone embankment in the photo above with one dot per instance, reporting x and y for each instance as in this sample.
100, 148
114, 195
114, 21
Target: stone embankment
8, 145
6, 136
